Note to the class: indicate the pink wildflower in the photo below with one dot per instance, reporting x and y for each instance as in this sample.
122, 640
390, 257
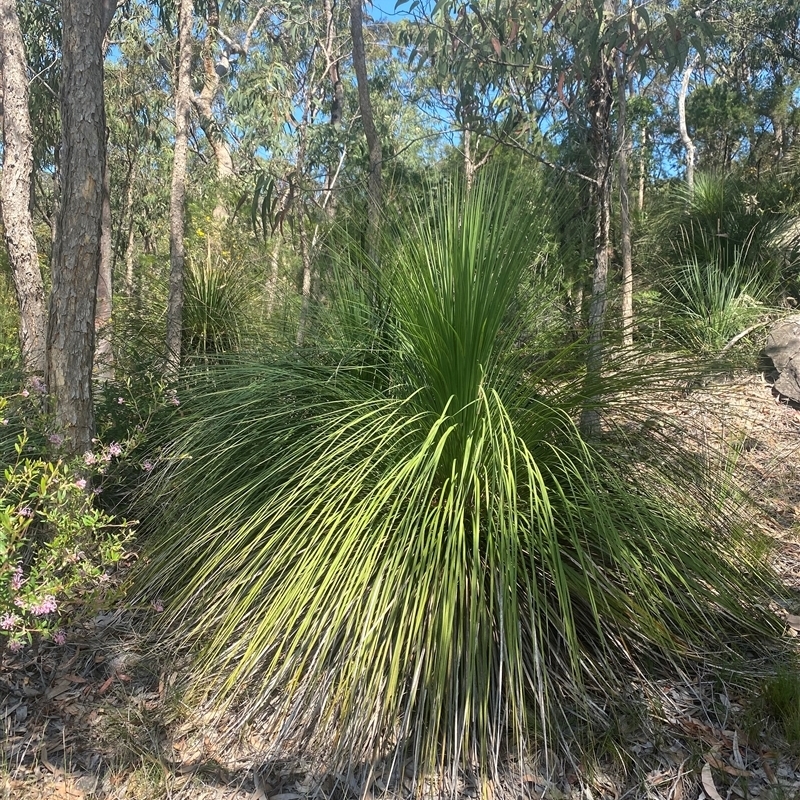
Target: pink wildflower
89, 458
25, 393
17, 580
81, 483
115, 449
121, 401
25, 511
174, 400
97, 490
47, 606
158, 606
148, 465
59, 637
56, 439
3, 422
15, 645
8, 621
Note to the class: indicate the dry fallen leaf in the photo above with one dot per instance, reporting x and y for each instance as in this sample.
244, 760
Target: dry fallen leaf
793, 621
708, 783
719, 764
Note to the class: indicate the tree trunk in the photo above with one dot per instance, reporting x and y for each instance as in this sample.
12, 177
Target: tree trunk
177, 203
332, 59
204, 103
374, 186
688, 144
624, 154
306, 259
470, 168
642, 170
272, 280
76, 255
15, 193
302, 233
600, 102
129, 244
103, 354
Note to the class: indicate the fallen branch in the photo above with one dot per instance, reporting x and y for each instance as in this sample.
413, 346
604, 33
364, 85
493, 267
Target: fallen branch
740, 336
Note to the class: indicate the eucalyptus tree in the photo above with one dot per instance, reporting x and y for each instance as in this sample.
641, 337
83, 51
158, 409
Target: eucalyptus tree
742, 109
16, 192
374, 192
291, 101
177, 204
138, 130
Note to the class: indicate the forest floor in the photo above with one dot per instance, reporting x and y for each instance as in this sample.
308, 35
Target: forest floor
94, 719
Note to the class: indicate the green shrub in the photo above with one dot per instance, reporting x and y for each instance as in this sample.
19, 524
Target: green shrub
55, 548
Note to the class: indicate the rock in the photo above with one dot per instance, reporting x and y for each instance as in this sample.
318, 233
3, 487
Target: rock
783, 347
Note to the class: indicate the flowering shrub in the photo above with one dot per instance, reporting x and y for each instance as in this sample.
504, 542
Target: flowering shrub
55, 547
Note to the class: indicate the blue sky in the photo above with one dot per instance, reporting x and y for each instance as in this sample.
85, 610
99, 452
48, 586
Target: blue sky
385, 8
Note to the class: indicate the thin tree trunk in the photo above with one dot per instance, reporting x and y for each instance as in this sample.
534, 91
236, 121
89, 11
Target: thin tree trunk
469, 161
103, 351
177, 204
688, 144
103, 354
779, 135
624, 154
332, 59
302, 233
642, 170
129, 245
600, 102
272, 280
15, 193
306, 259
374, 184
76, 255
337, 99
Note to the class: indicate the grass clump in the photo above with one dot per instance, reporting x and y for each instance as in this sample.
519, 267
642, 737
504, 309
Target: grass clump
410, 552
781, 698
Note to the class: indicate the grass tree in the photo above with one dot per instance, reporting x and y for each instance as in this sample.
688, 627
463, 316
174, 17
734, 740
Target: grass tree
404, 549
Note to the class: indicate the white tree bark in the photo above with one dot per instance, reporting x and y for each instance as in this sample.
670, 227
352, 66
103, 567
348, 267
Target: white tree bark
688, 144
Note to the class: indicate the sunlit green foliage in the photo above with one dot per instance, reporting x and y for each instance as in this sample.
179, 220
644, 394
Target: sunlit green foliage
408, 549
